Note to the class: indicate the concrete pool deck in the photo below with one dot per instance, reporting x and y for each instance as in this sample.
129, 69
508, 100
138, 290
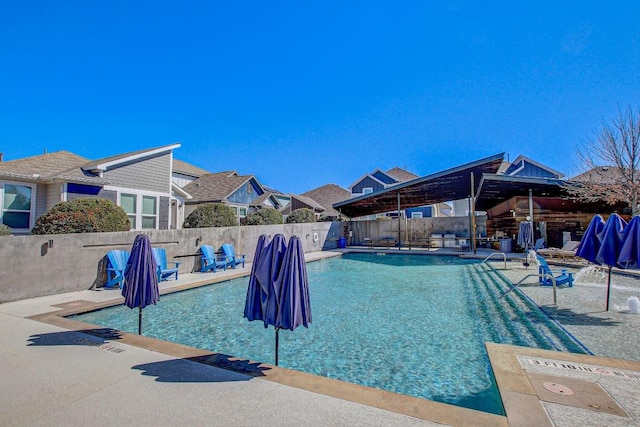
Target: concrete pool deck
57, 371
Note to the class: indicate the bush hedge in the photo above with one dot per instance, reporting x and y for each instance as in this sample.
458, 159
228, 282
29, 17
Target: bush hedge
211, 215
264, 216
4, 230
301, 215
87, 215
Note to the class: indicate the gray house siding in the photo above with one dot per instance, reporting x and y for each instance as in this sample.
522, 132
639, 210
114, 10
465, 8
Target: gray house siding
43, 194
109, 195
151, 174
367, 182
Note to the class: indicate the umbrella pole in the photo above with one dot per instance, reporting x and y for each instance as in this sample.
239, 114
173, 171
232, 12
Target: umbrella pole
277, 330
140, 321
608, 288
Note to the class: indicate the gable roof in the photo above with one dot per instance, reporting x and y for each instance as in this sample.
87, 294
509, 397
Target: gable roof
521, 159
600, 174
215, 187
327, 195
103, 164
401, 175
43, 165
185, 168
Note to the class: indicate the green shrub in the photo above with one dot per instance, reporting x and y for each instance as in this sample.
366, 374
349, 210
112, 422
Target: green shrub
211, 215
301, 215
87, 215
4, 230
264, 216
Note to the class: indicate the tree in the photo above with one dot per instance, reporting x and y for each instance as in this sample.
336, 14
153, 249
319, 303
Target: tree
264, 216
301, 215
609, 161
86, 215
211, 215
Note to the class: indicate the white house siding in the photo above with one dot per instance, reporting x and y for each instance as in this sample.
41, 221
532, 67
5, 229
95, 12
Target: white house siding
152, 174
181, 180
46, 197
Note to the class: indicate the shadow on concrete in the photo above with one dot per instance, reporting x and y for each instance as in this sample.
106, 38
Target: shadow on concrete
566, 316
93, 337
182, 371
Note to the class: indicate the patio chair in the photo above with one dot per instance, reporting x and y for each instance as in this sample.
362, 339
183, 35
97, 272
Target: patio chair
115, 270
567, 251
164, 273
231, 258
210, 261
563, 279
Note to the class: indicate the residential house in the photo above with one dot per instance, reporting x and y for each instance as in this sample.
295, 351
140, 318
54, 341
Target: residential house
243, 193
302, 202
139, 182
326, 196
379, 180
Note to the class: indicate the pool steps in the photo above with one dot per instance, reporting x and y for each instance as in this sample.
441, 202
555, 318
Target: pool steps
525, 324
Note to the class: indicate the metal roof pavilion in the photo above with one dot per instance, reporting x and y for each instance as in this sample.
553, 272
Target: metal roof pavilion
451, 184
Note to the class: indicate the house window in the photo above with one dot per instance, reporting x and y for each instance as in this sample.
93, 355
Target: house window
367, 190
17, 206
142, 210
128, 203
416, 214
243, 212
149, 212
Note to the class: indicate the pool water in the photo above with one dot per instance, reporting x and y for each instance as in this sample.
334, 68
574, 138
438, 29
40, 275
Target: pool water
410, 324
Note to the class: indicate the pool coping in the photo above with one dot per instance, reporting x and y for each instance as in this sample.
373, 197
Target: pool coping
522, 404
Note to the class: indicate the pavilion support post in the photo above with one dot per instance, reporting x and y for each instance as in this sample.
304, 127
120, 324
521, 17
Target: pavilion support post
399, 224
531, 207
472, 213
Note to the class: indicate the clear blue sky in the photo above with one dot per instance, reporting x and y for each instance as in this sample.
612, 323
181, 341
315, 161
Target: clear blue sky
305, 93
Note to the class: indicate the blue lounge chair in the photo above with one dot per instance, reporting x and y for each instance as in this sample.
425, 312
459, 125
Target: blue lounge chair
563, 279
210, 261
232, 258
115, 270
164, 273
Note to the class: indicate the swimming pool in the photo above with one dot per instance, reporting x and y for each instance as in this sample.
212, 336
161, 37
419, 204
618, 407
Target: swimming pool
403, 323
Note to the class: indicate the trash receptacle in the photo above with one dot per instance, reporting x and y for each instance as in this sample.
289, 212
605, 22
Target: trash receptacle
342, 242
505, 245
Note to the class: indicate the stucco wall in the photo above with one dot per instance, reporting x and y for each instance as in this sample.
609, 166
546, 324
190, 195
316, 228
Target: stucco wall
34, 266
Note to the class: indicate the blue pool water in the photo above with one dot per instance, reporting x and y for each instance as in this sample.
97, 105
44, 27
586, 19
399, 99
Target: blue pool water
403, 323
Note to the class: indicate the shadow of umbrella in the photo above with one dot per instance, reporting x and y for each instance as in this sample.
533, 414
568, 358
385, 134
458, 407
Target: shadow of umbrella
610, 245
140, 278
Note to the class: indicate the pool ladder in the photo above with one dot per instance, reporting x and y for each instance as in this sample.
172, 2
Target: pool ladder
540, 276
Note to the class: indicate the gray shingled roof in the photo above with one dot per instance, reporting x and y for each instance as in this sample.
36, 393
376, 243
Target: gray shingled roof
44, 165
215, 187
188, 169
327, 195
401, 175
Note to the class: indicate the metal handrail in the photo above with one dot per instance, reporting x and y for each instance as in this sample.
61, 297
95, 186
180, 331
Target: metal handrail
504, 256
541, 275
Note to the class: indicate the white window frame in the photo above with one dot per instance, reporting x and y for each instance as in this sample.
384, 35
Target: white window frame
416, 215
32, 208
367, 190
139, 204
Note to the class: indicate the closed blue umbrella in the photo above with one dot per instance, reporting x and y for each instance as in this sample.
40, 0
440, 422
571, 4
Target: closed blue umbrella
610, 245
630, 252
140, 278
590, 242
266, 275
294, 307
525, 234
255, 294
